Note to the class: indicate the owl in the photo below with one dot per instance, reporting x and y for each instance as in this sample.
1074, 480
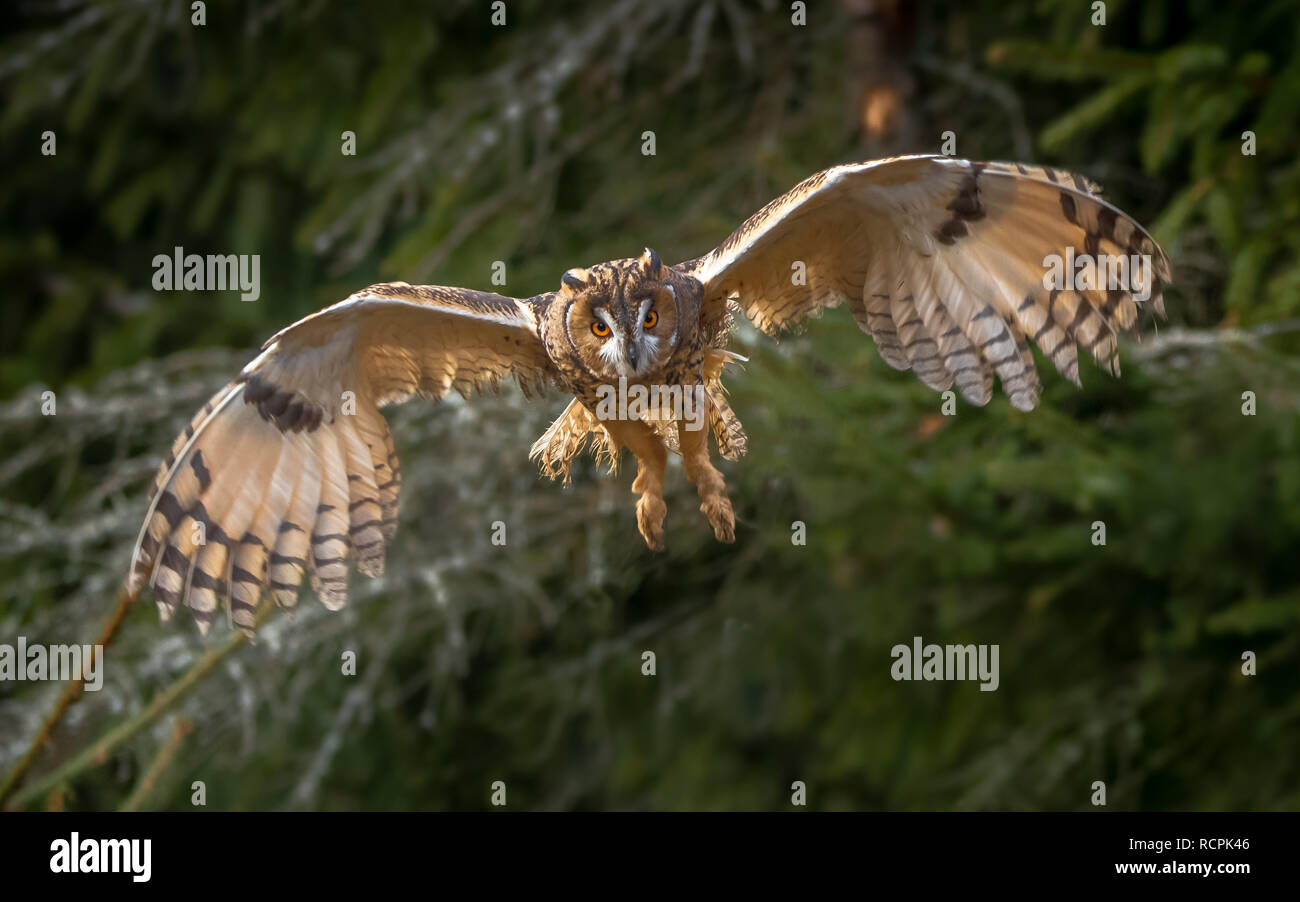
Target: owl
290, 470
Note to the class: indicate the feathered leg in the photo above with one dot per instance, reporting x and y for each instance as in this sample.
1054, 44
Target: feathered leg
694, 444
651, 458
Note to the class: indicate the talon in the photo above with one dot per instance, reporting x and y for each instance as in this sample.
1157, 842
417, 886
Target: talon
650, 513
721, 517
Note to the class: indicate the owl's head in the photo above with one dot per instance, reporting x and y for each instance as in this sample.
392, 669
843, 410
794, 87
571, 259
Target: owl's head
623, 316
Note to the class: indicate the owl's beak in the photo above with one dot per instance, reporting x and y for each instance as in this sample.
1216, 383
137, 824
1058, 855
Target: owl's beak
632, 356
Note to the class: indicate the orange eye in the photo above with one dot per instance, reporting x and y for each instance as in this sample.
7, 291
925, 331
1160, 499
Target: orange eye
650, 319
600, 329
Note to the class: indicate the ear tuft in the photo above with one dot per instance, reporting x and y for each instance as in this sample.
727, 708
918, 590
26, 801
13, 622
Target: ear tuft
651, 263
572, 281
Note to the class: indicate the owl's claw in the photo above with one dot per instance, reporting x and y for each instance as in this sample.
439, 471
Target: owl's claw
650, 513
717, 508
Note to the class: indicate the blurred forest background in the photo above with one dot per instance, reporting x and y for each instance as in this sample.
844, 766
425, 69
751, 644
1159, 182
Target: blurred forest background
522, 143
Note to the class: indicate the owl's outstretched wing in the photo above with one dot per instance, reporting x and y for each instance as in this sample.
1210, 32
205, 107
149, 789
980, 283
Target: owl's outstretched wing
291, 469
942, 262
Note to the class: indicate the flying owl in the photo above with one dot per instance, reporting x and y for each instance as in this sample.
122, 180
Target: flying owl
291, 469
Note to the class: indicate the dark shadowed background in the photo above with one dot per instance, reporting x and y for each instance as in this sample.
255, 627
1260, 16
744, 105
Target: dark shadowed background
523, 143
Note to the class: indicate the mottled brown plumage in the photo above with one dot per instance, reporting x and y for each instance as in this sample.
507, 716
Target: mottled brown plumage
290, 470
